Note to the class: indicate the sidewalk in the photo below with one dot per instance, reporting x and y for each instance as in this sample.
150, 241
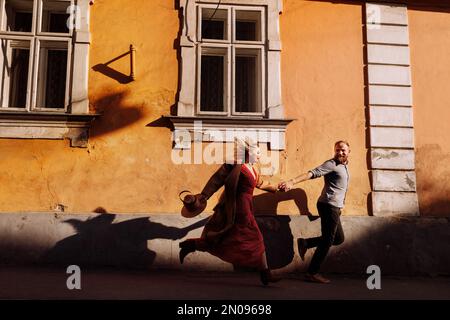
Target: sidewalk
50, 283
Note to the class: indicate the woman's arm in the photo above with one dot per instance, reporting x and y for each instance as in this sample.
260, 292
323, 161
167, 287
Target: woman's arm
264, 184
217, 180
267, 186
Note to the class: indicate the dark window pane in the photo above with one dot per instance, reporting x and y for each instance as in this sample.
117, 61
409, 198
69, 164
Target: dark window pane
55, 90
22, 22
248, 25
245, 84
212, 83
19, 78
18, 15
212, 29
58, 23
214, 23
55, 16
246, 30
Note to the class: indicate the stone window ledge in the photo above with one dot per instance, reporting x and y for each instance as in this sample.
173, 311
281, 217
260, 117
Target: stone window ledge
44, 125
220, 129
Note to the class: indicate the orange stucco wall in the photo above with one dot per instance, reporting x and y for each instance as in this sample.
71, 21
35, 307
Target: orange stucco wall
127, 166
430, 65
323, 88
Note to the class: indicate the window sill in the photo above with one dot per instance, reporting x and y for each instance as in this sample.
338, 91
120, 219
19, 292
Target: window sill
225, 129
46, 125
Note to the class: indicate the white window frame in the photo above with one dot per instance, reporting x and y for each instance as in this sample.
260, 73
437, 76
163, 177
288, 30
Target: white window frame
230, 44
199, 23
39, 90
271, 120
262, 28
30, 66
39, 22
34, 71
73, 120
260, 81
227, 75
3, 21
190, 40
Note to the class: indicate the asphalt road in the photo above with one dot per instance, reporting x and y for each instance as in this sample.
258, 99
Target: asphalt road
99, 284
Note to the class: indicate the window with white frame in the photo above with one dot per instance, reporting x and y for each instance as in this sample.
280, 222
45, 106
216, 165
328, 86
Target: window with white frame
36, 47
44, 69
231, 60
230, 71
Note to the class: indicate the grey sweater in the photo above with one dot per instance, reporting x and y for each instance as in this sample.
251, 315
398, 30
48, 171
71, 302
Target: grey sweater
336, 177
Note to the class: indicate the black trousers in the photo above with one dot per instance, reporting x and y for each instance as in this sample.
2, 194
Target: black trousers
332, 234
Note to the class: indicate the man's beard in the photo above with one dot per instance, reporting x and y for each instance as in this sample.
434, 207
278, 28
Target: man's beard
341, 159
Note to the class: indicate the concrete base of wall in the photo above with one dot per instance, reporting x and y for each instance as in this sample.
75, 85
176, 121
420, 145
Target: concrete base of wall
399, 246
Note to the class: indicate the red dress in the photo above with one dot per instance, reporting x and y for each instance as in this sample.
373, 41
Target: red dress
243, 244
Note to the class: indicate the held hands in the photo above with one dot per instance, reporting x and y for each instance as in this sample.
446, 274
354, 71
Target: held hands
285, 186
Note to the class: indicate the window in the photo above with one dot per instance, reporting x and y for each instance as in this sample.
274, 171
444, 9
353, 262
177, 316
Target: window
230, 69
230, 64
36, 47
43, 68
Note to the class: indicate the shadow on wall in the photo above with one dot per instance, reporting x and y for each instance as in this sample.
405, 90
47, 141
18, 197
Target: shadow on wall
115, 114
99, 241
278, 238
106, 70
407, 246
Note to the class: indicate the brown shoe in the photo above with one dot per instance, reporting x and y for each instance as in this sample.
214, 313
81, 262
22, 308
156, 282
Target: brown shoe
302, 248
317, 278
267, 276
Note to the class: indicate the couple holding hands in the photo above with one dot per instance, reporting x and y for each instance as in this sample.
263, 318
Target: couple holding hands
232, 233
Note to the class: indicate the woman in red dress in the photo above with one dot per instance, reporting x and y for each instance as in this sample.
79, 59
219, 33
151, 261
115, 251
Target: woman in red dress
232, 233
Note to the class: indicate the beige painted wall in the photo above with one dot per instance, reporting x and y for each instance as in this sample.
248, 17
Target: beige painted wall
430, 52
127, 166
323, 88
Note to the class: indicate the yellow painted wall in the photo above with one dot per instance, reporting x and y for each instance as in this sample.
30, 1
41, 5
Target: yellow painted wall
323, 88
430, 65
127, 166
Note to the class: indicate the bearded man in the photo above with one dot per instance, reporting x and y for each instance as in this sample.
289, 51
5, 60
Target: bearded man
329, 205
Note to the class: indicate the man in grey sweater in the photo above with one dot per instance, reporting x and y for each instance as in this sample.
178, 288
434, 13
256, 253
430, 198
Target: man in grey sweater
329, 205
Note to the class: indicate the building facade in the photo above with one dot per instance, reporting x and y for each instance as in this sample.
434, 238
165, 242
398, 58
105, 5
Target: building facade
122, 106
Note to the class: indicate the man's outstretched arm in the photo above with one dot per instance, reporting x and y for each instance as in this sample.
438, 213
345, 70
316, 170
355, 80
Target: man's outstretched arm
289, 184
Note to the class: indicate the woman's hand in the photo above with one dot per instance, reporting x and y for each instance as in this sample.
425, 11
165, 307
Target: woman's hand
285, 185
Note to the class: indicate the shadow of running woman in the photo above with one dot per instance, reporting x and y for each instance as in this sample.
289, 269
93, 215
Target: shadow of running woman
99, 241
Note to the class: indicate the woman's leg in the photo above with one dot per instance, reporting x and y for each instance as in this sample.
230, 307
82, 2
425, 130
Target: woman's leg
264, 265
266, 275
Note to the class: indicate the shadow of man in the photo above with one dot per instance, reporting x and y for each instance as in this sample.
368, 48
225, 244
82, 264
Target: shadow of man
278, 238
99, 241
267, 203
